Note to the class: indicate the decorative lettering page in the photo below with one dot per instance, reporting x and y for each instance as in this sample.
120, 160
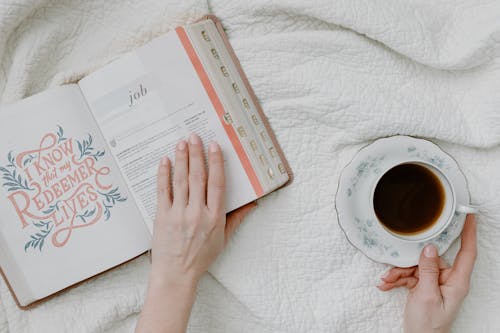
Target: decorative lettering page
66, 213
59, 187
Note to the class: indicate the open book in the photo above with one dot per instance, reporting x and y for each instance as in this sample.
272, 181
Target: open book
78, 163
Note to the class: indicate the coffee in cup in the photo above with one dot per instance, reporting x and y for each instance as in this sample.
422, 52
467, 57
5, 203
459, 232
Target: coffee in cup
409, 199
415, 201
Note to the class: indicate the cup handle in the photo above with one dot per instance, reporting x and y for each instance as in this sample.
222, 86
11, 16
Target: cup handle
466, 209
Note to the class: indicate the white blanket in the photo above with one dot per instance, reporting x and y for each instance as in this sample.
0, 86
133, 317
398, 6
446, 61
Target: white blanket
331, 75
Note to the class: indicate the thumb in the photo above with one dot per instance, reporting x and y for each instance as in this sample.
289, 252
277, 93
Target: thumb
234, 219
428, 269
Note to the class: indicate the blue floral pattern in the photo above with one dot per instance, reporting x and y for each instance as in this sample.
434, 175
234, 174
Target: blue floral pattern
371, 239
434, 159
363, 169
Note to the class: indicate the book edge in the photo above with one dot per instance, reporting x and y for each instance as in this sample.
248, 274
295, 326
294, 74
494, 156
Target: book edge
37, 302
254, 98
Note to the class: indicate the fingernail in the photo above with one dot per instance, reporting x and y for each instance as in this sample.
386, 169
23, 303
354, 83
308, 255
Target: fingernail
379, 285
214, 147
164, 161
430, 251
194, 139
386, 274
181, 145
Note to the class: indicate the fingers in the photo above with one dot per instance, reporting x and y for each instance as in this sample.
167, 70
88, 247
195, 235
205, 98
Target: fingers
216, 188
397, 273
189, 163
443, 264
181, 174
235, 218
408, 282
197, 176
443, 267
163, 185
428, 270
464, 262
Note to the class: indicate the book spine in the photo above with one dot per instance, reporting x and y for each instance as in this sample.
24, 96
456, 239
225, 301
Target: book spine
214, 98
236, 111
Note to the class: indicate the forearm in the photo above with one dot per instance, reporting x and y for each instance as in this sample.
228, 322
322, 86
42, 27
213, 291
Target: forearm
167, 307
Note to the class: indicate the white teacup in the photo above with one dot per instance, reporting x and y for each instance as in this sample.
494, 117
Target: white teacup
450, 207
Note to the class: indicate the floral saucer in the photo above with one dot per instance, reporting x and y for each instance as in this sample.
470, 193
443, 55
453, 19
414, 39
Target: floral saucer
355, 209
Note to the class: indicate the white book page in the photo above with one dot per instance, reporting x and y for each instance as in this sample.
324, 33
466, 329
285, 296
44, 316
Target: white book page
66, 213
148, 100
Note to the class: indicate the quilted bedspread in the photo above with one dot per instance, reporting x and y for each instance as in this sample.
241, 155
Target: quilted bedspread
332, 75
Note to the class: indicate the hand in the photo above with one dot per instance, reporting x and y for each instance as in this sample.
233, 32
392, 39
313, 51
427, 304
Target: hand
436, 290
190, 231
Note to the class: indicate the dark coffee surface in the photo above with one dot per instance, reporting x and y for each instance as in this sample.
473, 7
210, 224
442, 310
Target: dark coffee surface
408, 199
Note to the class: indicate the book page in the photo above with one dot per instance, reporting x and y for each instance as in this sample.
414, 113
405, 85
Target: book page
148, 100
66, 213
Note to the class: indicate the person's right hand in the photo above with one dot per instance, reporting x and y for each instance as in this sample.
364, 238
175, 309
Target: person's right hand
190, 231
191, 228
436, 290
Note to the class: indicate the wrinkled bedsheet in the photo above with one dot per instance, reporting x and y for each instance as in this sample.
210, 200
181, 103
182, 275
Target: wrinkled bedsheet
332, 76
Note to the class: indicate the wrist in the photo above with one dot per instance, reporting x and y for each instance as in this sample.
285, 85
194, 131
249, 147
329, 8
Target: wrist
181, 285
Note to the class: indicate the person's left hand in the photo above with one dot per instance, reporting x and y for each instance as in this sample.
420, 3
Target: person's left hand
436, 290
